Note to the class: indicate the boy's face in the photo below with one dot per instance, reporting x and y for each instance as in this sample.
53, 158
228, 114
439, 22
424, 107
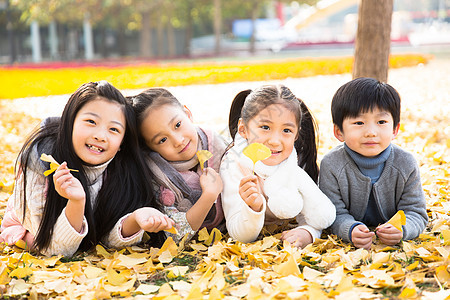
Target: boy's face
169, 130
369, 133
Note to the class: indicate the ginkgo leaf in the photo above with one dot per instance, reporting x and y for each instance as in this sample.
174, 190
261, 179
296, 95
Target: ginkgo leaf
20, 273
115, 278
203, 156
398, 220
209, 238
53, 164
257, 152
172, 230
214, 237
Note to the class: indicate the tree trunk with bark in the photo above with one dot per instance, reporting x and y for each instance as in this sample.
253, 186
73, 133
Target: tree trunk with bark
373, 39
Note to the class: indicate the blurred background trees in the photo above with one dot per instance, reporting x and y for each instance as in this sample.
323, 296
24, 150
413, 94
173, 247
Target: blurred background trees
48, 30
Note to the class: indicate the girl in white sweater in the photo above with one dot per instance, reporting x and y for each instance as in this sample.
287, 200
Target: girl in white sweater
105, 200
284, 185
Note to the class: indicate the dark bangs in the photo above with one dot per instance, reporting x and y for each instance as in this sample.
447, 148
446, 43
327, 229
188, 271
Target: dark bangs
362, 95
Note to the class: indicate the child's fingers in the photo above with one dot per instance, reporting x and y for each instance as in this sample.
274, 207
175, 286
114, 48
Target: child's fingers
64, 180
250, 178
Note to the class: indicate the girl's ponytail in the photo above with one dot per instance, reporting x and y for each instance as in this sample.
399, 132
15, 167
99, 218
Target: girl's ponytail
235, 111
306, 144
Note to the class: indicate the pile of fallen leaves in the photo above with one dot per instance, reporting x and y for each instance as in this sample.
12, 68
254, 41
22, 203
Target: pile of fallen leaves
215, 267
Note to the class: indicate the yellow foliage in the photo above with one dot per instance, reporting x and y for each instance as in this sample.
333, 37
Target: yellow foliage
23, 82
216, 267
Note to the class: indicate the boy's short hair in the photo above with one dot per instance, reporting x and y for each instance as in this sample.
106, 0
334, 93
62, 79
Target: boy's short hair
362, 95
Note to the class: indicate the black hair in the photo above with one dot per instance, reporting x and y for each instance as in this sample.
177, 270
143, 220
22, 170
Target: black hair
247, 104
125, 185
154, 97
361, 95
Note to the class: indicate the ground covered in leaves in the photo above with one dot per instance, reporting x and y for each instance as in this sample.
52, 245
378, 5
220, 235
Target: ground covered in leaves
216, 268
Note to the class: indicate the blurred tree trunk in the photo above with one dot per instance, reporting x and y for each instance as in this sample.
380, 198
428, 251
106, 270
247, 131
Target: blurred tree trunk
121, 41
217, 25
10, 29
160, 36
254, 14
189, 30
145, 43
373, 39
170, 32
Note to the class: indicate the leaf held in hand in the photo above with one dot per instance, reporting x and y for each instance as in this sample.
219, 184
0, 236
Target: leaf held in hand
256, 152
172, 230
398, 220
53, 164
203, 156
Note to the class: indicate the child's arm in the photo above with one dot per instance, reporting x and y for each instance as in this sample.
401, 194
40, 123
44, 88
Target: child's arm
413, 203
147, 219
66, 239
212, 185
243, 223
329, 185
250, 192
70, 188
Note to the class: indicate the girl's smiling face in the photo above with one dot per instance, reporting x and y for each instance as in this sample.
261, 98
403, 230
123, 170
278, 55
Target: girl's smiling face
168, 130
98, 131
275, 127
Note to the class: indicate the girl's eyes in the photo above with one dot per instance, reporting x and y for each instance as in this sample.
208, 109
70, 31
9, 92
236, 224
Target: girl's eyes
287, 130
178, 124
358, 123
91, 121
162, 140
115, 130
265, 127
382, 122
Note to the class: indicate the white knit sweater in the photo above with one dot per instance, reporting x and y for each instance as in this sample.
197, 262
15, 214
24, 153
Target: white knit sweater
65, 239
289, 190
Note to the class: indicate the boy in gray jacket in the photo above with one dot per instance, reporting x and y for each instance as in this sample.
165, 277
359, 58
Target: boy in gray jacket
367, 178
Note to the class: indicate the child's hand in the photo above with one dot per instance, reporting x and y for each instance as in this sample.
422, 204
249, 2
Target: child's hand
362, 237
298, 237
211, 183
152, 220
249, 190
67, 186
388, 234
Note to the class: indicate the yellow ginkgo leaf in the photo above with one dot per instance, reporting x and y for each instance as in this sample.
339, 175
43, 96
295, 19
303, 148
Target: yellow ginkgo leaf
203, 156
115, 278
256, 152
214, 237
398, 220
20, 273
53, 164
172, 230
